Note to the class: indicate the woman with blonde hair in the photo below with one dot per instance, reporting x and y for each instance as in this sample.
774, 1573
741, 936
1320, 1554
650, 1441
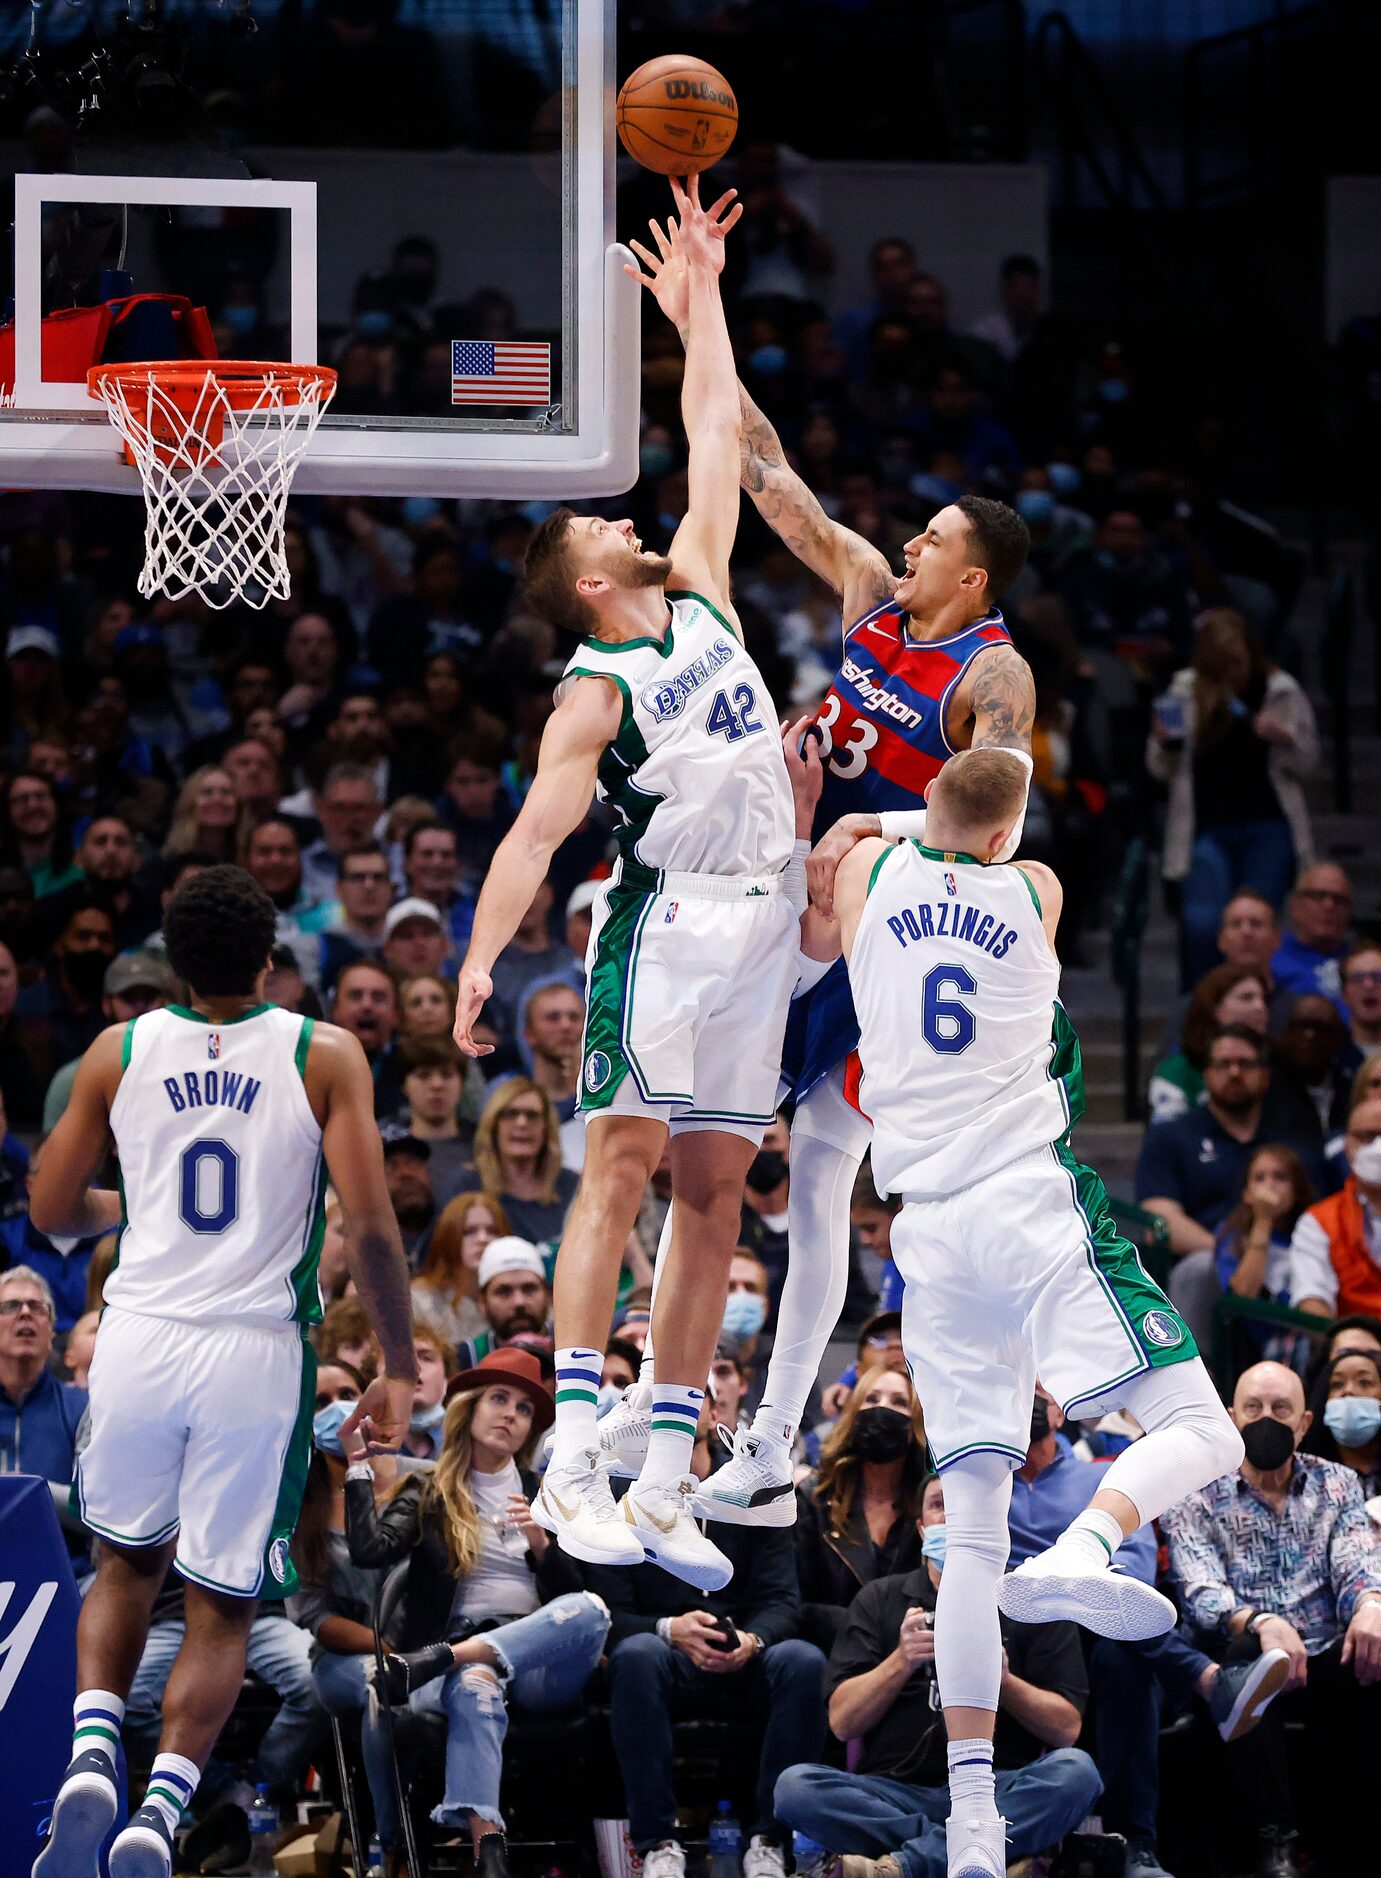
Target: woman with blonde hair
518, 1158
1234, 737
445, 1292
856, 1515
483, 1577
208, 816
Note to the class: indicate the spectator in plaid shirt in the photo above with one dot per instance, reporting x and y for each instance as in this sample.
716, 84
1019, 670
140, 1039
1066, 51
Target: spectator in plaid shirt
1281, 1555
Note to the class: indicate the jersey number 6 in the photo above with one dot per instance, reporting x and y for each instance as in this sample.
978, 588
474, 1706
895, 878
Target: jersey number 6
947, 1024
208, 1186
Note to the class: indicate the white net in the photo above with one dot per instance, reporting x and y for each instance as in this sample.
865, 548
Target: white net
216, 456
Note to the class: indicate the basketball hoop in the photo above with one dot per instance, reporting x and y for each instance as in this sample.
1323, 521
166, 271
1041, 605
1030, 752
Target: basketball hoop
216, 443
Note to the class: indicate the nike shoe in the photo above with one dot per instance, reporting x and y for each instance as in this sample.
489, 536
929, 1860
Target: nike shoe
976, 1848
576, 1506
1242, 1692
144, 1849
626, 1430
754, 1488
1062, 1582
662, 1519
83, 1813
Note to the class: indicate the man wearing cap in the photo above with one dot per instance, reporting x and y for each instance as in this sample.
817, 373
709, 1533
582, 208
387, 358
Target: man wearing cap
134, 982
416, 941
514, 1296
579, 920
409, 1180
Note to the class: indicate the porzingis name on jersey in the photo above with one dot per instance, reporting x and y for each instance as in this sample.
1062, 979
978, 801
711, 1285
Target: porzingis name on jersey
227, 1089
951, 919
667, 699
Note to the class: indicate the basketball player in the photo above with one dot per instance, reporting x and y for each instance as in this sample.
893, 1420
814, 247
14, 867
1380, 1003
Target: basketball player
928, 669
203, 1382
692, 955
1010, 1259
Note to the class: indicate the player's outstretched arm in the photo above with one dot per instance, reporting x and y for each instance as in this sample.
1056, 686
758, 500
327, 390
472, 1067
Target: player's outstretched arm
62, 1199
341, 1090
578, 732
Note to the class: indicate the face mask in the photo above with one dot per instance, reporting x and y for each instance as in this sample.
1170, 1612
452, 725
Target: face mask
1353, 1420
241, 319
376, 324
419, 509
1269, 1443
425, 1419
326, 1425
1366, 1161
881, 1434
1040, 1419
1064, 478
609, 1395
768, 360
654, 459
745, 1313
667, 522
933, 1542
766, 1171
1035, 507
1113, 390
86, 971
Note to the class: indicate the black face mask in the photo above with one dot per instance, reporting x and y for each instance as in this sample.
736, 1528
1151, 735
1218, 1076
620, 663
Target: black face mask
767, 1171
1269, 1443
1040, 1419
881, 1434
85, 971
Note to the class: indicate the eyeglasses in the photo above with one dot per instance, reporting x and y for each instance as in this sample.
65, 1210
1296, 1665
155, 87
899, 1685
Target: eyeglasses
522, 1115
12, 1307
1362, 978
1324, 893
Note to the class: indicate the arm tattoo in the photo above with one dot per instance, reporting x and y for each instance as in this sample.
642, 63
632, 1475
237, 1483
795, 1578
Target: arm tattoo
381, 1278
1002, 701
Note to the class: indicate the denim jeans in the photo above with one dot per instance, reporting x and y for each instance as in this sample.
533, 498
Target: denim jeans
277, 1652
1126, 1682
649, 1680
545, 1660
868, 1814
342, 1689
1225, 857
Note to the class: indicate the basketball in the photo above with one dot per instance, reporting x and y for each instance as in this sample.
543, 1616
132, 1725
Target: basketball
676, 115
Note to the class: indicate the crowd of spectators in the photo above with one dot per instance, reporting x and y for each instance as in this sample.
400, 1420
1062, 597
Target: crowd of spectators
363, 746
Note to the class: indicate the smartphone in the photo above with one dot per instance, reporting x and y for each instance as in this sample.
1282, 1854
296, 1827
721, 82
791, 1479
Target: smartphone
727, 1638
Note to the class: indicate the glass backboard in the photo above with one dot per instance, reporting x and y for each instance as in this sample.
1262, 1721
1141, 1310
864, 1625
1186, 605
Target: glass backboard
416, 192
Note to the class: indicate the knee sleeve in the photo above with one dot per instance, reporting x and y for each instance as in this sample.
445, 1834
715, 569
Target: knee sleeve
1190, 1439
968, 1639
817, 1274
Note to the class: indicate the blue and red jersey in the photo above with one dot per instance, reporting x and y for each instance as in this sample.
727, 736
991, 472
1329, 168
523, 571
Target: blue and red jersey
884, 736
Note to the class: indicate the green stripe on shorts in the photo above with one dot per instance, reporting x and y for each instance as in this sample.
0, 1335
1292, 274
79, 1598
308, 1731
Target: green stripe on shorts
277, 1574
611, 990
1160, 1332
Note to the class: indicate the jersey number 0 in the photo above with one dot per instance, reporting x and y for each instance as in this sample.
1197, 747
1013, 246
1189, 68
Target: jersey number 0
209, 1186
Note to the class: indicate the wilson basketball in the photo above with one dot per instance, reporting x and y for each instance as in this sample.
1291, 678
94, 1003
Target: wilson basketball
676, 115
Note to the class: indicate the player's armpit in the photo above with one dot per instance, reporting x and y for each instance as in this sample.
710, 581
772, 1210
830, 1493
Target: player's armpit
62, 1199
1000, 701
1048, 891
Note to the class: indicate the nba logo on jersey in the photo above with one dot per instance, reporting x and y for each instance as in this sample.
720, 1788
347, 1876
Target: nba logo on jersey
213, 1044
950, 887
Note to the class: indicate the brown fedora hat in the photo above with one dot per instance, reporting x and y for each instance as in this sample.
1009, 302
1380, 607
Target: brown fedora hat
519, 1367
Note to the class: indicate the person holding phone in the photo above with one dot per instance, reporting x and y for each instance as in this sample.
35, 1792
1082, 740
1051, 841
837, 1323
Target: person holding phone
734, 1652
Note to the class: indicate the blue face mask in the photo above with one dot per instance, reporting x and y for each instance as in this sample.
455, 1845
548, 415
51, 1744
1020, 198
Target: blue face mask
423, 1420
654, 459
376, 324
609, 1395
1353, 1420
667, 522
1064, 478
768, 360
241, 319
745, 1313
933, 1542
1113, 390
419, 509
1035, 507
326, 1424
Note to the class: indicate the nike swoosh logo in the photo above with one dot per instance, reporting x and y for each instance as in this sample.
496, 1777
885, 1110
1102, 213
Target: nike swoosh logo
566, 1512
662, 1525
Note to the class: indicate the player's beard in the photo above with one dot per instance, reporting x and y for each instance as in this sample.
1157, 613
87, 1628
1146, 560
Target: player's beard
648, 570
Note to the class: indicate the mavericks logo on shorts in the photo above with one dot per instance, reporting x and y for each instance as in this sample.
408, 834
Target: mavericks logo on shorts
598, 1070
278, 1560
1161, 1329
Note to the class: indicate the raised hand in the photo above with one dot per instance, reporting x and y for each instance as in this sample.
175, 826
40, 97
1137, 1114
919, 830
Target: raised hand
703, 230
666, 278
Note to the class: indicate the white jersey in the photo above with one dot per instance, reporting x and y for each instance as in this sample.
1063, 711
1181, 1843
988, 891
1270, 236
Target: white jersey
696, 774
969, 1061
220, 1170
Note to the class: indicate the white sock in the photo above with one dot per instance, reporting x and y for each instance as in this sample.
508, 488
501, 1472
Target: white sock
972, 1790
770, 1424
172, 1782
96, 1719
675, 1412
577, 1402
1094, 1533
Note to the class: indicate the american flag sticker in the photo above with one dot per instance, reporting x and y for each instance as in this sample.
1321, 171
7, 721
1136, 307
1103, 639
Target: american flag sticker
213, 1044
951, 887
500, 371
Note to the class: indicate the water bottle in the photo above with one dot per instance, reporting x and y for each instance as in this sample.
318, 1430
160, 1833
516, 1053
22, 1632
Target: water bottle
724, 1842
263, 1831
812, 1860
374, 1858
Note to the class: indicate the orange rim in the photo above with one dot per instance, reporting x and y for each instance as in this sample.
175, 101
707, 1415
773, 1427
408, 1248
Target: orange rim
241, 380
